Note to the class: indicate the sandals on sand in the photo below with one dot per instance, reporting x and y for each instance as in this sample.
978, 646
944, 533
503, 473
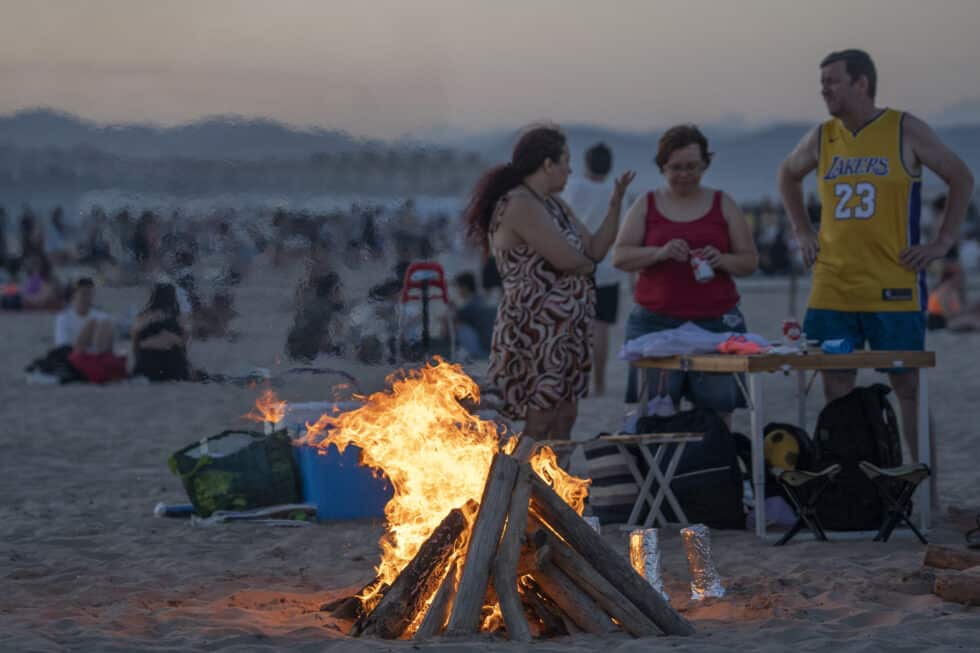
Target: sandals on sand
973, 536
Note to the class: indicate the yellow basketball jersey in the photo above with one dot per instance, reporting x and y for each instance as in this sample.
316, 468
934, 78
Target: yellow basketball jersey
870, 213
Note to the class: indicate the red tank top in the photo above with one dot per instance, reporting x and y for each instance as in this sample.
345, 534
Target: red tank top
669, 288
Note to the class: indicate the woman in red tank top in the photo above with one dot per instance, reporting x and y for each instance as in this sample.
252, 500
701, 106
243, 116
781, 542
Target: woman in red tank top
665, 234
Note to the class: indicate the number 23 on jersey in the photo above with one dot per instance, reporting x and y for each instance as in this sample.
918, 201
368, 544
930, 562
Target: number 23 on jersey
854, 200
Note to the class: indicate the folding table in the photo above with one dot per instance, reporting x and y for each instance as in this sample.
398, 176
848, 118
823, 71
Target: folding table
754, 365
647, 494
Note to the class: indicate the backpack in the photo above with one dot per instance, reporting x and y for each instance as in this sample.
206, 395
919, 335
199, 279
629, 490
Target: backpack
708, 479
861, 425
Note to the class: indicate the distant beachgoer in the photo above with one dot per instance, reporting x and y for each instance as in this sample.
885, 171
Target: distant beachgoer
664, 231
69, 323
57, 246
588, 195
474, 319
160, 339
541, 351
90, 333
39, 289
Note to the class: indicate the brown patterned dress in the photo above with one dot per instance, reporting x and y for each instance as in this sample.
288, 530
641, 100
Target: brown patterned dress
542, 340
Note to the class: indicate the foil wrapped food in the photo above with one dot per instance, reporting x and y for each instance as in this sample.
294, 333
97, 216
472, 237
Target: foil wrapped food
645, 558
705, 580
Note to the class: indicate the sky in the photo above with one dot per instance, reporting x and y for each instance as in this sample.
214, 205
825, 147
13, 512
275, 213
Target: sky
387, 68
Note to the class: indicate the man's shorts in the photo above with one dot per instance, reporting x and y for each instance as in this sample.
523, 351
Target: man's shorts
884, 330
607, 303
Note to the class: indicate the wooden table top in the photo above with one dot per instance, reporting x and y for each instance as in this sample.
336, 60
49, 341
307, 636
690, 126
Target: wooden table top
811, 360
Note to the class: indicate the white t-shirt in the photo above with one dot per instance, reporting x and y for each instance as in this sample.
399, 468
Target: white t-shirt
590, 201
68, 324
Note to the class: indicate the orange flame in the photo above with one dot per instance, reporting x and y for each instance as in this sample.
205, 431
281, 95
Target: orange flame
268, 408
571, 489
435, 454
433, 451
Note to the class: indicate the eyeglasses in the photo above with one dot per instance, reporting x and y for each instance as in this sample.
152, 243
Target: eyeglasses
677, 168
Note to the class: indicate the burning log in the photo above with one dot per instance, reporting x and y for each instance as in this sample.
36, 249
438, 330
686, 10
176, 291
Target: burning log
603, 592
550, 615
579, 607
465, 616
417, 581
944, 557
508, 553
438, 611
558, 516
351, 608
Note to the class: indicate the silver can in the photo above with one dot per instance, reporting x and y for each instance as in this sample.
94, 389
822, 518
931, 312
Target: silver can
645, 558
705, 580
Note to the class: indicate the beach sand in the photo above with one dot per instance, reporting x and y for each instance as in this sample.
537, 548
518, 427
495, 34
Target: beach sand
84, 564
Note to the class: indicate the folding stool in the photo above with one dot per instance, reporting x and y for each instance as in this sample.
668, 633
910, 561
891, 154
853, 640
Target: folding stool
895, 486
804, 490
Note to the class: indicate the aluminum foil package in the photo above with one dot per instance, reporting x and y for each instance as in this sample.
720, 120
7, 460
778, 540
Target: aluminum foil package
645, 558
705, 580
593, 522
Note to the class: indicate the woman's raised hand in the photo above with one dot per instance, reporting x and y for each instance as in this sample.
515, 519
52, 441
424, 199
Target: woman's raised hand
619, 189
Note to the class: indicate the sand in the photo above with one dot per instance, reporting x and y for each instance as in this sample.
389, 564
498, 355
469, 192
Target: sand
86, 566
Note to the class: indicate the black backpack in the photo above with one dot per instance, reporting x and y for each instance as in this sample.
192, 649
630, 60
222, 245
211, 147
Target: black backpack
708, 479
861, 425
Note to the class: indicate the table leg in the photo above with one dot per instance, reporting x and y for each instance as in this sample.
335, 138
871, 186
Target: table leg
664, 490
801, 398
756, 418
925, 438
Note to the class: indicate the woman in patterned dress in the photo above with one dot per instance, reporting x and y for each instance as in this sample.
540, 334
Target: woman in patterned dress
541, 353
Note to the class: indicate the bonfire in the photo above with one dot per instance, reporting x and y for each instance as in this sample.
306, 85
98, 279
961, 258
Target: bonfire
484, 530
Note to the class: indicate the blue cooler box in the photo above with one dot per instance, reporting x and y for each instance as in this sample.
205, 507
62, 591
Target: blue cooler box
340, 487
335, 482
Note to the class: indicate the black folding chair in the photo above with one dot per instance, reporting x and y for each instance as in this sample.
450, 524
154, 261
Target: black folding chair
804, 490
895, 486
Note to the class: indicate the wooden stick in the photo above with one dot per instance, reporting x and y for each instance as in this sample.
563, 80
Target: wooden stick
435, 617
351, 607
416, 582
550, 614
465, 616
560, 517
505, 565
601, 590
526, 446
959, 586
945, 557
581, 609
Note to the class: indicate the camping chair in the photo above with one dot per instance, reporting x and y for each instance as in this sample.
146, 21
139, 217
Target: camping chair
895, 486
804, 490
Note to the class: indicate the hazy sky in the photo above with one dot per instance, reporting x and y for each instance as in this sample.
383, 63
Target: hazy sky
387, 67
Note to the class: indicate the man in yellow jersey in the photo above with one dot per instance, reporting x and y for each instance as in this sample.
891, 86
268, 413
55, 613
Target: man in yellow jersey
868, 263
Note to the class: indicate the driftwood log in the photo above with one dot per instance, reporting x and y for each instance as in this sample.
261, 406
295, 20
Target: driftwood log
416, 582
508, 554
438, 611
574, 602
560, 517
959, 586
597, 587
552, 621
944, 557
465, 616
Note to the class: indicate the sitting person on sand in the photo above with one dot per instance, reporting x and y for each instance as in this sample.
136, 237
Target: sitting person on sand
39, 289
93, 355
474, 318
947, 307
70, 322
160, 339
